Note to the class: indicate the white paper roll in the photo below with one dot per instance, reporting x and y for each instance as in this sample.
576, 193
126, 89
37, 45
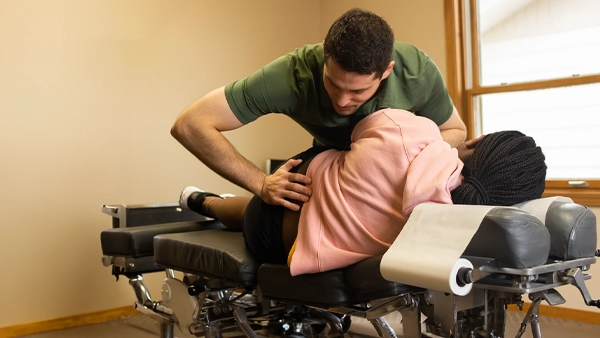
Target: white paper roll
441, 278
427, 251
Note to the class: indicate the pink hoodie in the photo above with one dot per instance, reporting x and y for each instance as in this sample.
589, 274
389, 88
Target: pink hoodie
362, 197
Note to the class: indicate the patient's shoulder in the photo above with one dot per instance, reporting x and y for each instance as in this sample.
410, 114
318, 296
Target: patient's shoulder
408, 125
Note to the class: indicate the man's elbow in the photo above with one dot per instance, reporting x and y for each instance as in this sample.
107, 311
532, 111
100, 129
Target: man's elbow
454, 136
176, 129
463, 134
179, 128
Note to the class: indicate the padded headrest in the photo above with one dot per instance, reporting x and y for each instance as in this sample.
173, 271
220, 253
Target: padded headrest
513, 237
572, 230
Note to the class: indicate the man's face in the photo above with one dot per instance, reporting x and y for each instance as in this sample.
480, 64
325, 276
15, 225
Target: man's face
348, 91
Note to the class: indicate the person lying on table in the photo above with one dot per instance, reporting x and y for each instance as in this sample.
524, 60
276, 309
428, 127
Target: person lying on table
362, 197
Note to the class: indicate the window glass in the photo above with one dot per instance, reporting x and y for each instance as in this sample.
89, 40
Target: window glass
564, 121
526, 40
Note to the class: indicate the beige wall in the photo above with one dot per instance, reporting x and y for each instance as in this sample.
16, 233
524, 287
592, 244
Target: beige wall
88, 92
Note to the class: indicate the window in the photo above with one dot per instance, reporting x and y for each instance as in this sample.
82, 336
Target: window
530, 65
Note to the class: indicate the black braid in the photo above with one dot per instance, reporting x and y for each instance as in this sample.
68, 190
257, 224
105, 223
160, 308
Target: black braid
508, 166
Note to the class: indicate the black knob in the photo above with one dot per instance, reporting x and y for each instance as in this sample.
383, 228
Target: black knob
194, 290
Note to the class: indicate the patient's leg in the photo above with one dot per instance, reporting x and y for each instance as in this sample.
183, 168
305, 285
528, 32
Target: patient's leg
226, 208
230, 211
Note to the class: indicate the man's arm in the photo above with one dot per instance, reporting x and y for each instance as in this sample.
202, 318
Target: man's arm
454, 131
199, 129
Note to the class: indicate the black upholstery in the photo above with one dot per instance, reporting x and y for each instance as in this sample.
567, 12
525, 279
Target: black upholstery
572, 230
133, 215
212, 253
365, 278
514, 238
358, 283
324, 289
137, 241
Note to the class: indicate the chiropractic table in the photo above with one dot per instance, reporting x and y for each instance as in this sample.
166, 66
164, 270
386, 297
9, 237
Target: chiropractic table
508, 252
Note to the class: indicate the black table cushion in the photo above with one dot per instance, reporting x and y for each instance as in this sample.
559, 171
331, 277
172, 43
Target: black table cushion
213, 253
138, 241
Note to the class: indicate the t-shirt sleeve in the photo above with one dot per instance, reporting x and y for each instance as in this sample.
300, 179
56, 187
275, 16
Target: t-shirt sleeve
271, 89
438, 105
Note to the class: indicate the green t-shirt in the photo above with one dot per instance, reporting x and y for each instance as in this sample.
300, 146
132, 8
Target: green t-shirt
293, 85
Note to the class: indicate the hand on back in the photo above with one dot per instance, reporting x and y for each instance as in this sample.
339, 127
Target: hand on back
283, 187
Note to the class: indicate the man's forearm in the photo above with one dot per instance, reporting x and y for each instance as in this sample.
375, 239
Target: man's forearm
454, 137
226, 161
217, 153
454, 131
199, 129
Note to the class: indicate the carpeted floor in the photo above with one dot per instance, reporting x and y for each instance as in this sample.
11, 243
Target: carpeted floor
143, 327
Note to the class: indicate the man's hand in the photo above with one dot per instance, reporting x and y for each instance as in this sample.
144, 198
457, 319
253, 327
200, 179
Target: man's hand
282, 184
466, 149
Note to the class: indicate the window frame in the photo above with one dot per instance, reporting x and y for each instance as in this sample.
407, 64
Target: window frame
462, 75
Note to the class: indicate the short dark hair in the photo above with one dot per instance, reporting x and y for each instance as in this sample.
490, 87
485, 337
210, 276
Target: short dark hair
506, 168
361, 42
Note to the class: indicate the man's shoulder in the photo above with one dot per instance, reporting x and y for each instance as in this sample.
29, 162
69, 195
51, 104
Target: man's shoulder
298, 64
399, 45
295, 66
412, 61
312, 48
311, 55
408, 53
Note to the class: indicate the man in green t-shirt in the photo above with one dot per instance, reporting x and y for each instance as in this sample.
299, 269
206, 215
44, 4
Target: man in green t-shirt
326, 88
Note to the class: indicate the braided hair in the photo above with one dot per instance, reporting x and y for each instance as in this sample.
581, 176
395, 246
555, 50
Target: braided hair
506, 168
